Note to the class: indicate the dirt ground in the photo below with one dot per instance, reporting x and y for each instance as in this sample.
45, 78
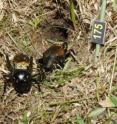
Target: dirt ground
79, 91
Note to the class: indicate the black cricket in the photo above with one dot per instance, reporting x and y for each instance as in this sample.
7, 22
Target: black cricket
20, 73
55, 57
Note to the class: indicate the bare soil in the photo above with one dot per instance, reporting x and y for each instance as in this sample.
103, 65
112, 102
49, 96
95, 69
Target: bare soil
31, 26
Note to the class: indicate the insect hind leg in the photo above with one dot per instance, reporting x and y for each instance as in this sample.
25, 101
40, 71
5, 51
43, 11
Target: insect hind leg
8, 64
30, 67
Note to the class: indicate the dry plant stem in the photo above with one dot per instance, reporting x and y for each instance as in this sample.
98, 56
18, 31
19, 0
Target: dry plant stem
12, 39
72, 12
97, 89
97, 52
113, 70
101, 18
67, 102
115, 5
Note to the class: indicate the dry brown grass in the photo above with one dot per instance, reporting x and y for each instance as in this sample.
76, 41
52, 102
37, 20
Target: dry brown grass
28, 26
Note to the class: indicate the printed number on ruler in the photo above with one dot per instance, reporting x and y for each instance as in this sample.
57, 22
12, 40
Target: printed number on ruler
98, 32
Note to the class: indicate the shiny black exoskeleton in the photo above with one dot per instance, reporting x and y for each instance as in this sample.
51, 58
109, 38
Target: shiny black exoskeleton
20, 76
55, 57
22, 81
